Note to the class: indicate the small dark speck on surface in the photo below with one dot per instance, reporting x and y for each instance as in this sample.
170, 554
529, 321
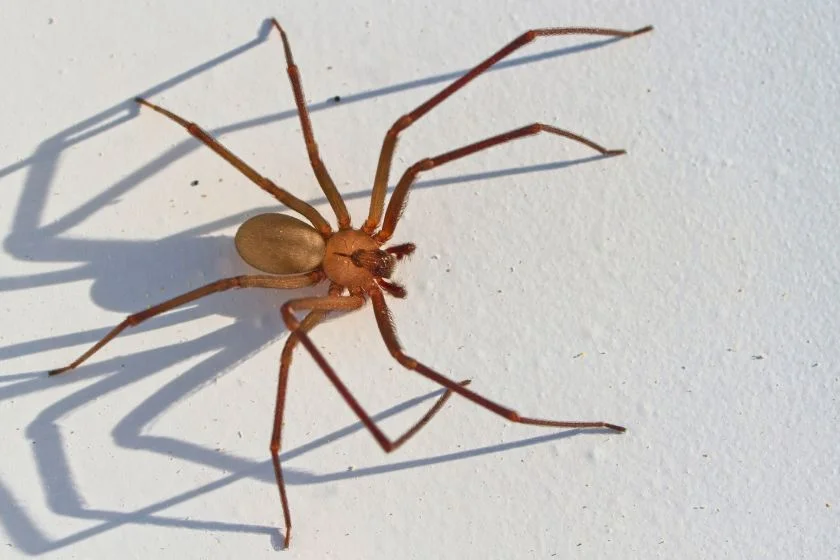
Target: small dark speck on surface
194, 183
758, 357
337, 99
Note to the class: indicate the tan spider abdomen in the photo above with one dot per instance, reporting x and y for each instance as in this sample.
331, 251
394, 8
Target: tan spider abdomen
338, 266
279, 244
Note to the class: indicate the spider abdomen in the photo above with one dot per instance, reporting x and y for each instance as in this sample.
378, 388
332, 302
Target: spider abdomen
280, 244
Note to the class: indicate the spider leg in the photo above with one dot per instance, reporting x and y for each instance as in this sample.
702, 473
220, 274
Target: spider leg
252, 281
321, 173
308, 322
389, 334
350, 303
400, 196
380, 181
265, 184
312, 319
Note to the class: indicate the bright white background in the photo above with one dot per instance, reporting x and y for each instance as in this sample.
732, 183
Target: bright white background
688, 290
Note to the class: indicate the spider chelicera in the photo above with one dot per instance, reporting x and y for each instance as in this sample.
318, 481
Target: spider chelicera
296, 254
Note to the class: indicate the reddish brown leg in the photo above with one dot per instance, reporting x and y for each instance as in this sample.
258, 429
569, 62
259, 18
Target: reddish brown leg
398, 199
349, 303
410, 433
253, 281
282, 195
310, 321
389, 334
319, 308
380, 181
321, 173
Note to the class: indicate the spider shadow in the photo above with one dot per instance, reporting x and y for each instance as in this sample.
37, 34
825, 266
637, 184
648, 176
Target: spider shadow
65, 500
122, 273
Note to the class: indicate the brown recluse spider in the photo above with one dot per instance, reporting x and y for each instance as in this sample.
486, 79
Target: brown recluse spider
296, 254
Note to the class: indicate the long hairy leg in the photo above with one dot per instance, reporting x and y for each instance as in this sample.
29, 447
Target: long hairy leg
386, 155
389, 334
308, 322
350, 303
398, 200
321, 173
250, 281
285, 197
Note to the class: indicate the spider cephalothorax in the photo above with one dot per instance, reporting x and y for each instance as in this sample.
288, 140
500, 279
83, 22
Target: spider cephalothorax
296, 254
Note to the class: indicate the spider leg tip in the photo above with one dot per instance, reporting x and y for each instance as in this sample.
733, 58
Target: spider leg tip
643, 30
287, 49
279, 27
613, 153
619, 429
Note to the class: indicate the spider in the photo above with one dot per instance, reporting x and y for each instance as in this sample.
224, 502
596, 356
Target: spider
295, 254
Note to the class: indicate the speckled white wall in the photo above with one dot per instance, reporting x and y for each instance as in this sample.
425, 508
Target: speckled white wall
688, 290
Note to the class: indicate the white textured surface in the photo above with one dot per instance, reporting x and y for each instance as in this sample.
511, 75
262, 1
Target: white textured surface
688, 290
